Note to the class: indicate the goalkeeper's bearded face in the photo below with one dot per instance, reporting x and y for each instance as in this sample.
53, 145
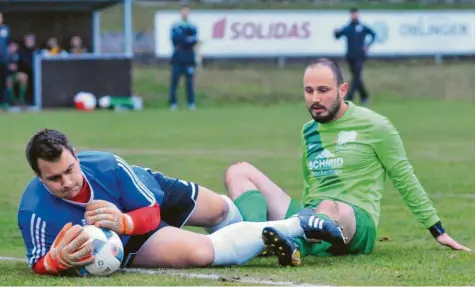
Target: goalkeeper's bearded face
63, 176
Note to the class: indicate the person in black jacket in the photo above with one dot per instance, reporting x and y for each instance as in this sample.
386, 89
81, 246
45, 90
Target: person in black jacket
357, 48
27, 51
184, 37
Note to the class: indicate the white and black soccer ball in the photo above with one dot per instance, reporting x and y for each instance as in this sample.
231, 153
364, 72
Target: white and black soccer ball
108, 252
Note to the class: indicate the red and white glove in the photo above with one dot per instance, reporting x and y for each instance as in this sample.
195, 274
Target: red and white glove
71, 248
106, 215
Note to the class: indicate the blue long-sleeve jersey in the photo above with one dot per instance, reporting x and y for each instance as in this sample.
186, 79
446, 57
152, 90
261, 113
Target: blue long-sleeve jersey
184, 37
356, 34
41, 215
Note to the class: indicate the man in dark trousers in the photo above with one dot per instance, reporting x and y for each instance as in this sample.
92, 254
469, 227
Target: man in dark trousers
357, 47
184, 38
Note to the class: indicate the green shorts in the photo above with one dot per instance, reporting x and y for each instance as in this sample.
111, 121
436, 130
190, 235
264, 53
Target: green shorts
364, 238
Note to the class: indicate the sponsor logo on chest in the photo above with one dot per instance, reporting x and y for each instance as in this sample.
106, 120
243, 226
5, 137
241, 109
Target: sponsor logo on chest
324, 162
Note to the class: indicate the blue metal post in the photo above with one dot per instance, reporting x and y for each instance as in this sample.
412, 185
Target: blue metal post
128, 38
37, 88
96, 32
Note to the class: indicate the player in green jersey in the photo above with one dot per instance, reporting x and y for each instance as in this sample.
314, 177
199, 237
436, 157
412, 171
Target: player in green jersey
347, 153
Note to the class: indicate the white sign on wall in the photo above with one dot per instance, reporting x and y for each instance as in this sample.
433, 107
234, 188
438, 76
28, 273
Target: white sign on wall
293, 33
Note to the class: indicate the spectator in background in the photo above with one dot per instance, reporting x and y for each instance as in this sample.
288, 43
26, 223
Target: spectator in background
357, 48
27, 51
76, 46
15, 76
4, 39
53, 48
184, 36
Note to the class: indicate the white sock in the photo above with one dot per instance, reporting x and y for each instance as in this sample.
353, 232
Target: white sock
238, 243
233, 216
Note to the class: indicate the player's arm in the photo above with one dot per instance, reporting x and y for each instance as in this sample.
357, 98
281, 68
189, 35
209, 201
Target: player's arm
191, 37
390, 150
373, 36
339, 32
50, 253
176, 35
142, 211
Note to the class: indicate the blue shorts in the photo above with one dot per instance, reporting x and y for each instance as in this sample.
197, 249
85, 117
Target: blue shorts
177, 206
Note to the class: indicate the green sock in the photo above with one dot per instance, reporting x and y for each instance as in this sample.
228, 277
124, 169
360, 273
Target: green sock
317, 249
22, 92
11, 94
253, 206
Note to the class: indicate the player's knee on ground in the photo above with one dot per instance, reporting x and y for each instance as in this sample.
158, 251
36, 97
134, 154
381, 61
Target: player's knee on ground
239, 179
201, 257
198, 250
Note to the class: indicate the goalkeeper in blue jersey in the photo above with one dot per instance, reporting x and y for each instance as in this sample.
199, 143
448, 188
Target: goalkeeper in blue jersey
103, 188
145, 208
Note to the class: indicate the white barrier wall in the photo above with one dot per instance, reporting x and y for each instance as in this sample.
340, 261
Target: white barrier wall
267, 33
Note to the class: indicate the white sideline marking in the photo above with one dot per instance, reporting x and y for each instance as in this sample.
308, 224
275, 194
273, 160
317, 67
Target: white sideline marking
12, 259
212, 276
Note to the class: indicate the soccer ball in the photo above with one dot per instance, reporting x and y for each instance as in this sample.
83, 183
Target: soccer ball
85, 101
108, 252
105, 102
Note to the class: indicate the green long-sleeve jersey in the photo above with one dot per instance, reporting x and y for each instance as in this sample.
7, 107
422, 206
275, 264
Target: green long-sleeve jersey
349, 159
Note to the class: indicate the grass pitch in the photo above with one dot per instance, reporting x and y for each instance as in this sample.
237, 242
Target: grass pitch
438, 132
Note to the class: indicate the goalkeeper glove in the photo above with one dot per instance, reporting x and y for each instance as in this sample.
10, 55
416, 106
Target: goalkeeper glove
106, 215
70, 249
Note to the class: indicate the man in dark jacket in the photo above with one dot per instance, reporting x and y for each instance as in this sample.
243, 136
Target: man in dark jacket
184, 37
28, 49
357, 47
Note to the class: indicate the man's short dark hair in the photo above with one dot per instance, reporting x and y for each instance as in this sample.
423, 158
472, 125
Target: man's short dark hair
353, 10
334, 66
48, 145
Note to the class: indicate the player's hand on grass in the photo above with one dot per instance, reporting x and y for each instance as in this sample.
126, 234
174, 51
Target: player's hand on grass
70, 249
106, 215
445, 240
